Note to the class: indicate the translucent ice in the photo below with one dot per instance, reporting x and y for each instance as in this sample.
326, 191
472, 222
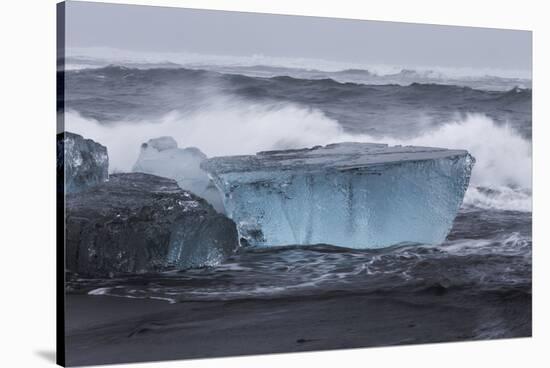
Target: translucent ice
161, 156
84, 162
357, 195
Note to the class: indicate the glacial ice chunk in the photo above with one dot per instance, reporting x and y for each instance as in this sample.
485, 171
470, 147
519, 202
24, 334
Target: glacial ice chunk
161, 156
83, 162
356, 195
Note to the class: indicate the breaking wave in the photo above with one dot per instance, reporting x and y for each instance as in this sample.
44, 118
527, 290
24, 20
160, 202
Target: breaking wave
501, 198
503, 157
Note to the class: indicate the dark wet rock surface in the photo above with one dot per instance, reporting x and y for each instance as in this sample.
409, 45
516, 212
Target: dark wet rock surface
143, 223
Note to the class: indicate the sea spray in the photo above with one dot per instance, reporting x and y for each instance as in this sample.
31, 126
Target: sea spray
503, 155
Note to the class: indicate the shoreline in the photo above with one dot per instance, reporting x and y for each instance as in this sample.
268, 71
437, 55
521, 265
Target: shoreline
108, 330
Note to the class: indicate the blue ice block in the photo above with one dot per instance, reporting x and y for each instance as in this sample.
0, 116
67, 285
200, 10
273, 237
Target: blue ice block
356, 195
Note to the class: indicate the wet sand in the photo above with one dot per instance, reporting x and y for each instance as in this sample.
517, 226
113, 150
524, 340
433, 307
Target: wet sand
106, 329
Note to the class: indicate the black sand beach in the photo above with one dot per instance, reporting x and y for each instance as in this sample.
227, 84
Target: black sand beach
130, 261
106, 329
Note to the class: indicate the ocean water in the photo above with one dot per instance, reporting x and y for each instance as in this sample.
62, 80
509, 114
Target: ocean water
236, 109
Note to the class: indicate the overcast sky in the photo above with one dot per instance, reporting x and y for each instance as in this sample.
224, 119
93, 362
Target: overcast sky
163, 29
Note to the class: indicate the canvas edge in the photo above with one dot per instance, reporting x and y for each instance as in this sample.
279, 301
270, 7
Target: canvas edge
60, 185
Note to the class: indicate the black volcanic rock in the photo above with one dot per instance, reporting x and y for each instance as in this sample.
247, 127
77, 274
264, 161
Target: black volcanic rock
85, 162
143, 223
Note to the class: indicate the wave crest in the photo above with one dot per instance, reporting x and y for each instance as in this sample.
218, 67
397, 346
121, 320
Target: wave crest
231, 127
502, 198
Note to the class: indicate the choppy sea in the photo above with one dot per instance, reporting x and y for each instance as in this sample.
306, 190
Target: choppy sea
244, 109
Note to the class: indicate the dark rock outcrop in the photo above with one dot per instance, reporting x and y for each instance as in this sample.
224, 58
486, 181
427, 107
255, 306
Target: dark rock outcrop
85, 163
143, 223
